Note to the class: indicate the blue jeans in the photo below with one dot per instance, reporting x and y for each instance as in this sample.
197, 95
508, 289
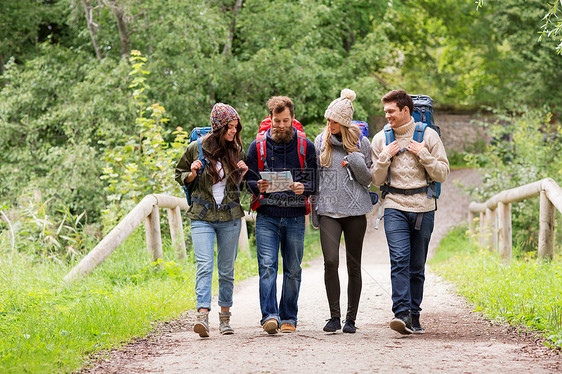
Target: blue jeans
408, 252
272, 232
203, 234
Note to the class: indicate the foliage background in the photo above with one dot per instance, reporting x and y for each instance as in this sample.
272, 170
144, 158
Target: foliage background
97, 97
85, 131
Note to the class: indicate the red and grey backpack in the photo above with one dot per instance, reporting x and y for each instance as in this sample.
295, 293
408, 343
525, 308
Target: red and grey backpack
261, 148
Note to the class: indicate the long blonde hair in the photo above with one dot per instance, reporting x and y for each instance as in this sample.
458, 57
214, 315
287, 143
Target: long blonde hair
350, 141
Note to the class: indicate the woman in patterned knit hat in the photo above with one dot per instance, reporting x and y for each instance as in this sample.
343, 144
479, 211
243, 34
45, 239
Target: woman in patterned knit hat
343, 200
215, 211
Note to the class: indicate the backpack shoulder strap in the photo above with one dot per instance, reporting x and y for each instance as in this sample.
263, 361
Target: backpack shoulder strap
419, 131
201, 156
388, 134
261, 148
301, 138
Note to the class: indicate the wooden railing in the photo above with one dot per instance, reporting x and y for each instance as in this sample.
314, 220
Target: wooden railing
495, 216
147, 211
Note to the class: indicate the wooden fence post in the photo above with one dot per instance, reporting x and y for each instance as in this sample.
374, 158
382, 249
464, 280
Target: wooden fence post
546, 227
243, 241
504, 230
482, 234
153, 237
492, 229
471, 218
176, 231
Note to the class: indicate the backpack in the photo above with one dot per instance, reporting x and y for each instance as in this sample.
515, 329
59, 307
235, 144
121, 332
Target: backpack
364, 127
423, 111
261, 148
423, 116
196, 135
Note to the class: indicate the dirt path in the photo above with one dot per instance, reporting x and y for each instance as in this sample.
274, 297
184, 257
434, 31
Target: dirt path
457, 340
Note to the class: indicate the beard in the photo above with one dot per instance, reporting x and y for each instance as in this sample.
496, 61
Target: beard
282, 137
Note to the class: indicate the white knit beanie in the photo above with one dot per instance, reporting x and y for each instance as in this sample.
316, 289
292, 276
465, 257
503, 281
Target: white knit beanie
341, 109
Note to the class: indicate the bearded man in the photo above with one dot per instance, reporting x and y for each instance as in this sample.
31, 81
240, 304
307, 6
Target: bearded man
280, 220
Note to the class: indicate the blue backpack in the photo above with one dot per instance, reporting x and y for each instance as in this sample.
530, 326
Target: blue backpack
196, 135
423, 116
364, 127
423, 111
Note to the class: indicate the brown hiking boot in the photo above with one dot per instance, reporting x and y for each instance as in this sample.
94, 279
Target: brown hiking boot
201, 326
271, 326
224, 325
287, 327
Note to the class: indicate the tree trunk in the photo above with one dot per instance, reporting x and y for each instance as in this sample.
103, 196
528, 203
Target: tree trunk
119, 13
88, 11
1, 64
123, 32
230, 41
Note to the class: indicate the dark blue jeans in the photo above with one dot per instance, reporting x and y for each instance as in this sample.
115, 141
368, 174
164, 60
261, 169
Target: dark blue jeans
271, 233
408, 253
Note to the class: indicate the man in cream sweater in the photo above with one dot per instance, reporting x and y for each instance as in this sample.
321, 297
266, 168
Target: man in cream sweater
403, 169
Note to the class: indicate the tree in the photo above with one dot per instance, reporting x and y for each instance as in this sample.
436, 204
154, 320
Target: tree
469, 59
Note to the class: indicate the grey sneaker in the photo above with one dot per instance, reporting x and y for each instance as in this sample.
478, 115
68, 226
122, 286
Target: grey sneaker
224, 323
201, 326
402, 323
416, 326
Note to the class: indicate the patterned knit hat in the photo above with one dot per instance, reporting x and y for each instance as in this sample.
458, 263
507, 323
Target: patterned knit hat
221, 115
341, 109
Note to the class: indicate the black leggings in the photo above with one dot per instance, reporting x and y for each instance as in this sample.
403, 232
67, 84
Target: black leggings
353, 228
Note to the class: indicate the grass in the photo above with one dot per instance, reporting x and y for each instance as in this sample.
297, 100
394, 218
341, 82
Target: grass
521, 292
47, 326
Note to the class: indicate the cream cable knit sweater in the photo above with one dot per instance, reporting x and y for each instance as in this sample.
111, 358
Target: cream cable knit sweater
407, 170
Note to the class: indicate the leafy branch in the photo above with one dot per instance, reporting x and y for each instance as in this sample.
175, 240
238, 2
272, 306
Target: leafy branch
552, 28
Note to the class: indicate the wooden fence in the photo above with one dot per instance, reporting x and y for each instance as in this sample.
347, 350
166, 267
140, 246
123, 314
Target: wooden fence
147, 211
495, 216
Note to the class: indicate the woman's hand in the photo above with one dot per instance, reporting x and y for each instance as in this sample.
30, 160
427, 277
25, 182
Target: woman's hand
196, 165
243, 168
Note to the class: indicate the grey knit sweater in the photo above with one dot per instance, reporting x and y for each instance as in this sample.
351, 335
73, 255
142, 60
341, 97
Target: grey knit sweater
337, 193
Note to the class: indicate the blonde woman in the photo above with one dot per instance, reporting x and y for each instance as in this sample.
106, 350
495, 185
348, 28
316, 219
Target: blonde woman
343, 200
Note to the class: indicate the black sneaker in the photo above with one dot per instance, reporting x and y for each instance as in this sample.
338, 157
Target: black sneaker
416, 327
402, 323
349, 327
333, 324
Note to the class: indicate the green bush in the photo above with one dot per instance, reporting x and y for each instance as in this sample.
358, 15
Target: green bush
525, 148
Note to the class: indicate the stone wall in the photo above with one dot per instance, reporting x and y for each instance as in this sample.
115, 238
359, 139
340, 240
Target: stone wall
459, 132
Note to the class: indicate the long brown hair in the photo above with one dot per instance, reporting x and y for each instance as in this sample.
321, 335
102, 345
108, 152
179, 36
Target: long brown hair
350, 139
217, 148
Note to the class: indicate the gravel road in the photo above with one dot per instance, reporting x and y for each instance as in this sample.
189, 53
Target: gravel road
457, 340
